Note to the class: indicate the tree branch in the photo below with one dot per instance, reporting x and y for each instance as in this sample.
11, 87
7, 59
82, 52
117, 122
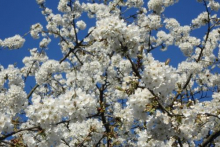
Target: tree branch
134, 67
77, 46
104, 121
21, 130
32, 91
210, 139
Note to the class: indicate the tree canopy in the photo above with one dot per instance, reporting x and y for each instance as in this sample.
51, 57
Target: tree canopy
108, 89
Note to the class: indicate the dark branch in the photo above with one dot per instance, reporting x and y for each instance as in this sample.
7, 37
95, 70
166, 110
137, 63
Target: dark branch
32, 90
21, 130
77, 46
210, 139
134, 67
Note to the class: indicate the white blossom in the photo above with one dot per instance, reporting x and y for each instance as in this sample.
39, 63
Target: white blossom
201, 20
14, 42
57, 19
156, 5
5, 123
81, 25
139, 102
214, 5
44, 43
35, 30
40, 1
48, 68
186, 48
159, 76
135, 3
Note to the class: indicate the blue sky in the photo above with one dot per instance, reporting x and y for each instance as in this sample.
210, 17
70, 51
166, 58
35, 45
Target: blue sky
16, 17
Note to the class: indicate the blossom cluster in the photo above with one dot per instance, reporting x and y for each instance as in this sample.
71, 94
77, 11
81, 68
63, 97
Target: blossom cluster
158, 76
5, 123
118, 36
35, 30
48, 68
139, 102
74, 105
32, 63
159, 5
13, 97
14, 42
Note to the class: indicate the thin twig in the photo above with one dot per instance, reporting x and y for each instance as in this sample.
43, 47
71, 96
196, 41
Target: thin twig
32, 90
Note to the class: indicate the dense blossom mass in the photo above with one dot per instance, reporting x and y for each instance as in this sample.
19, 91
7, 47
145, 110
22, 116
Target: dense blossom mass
108, 89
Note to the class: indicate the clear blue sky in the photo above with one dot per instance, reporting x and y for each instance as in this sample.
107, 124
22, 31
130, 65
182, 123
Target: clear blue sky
16, 17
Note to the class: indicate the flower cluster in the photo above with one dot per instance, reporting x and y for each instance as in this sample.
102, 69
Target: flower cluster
48, 68
149, 22
135, 3
14, 42
74, 105
35, 30
139, 101
158, 76
32, 63
86, 133
201, 20
100, 10
118, 36
40, 1
160, 123
189, 67
163, 38
45, 42
181, 36
81, 25
13, 98
5, 123
159, 5
186, 48
211, 45
62, 6
44, 112
13, 75
214, 5
78, 104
